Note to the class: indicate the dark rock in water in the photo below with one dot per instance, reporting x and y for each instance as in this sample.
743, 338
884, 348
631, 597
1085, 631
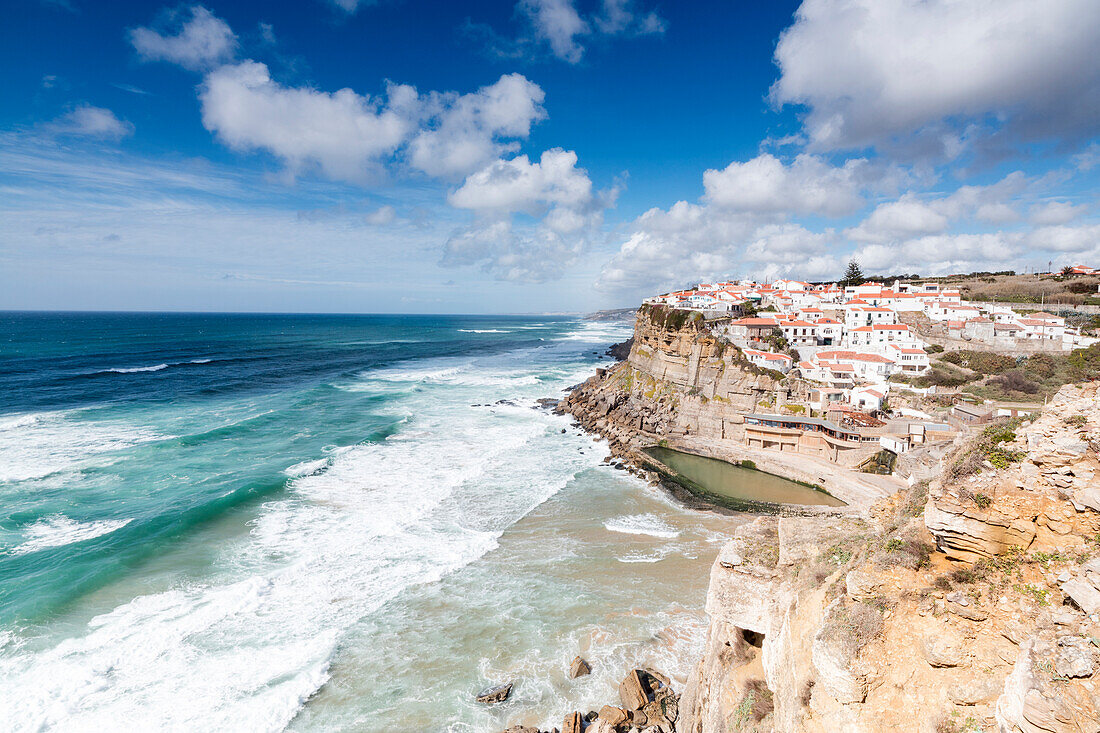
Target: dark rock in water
579, 668
621, 351
563, 431
574, 723
509, 403
521, 729
496, 694
547, 403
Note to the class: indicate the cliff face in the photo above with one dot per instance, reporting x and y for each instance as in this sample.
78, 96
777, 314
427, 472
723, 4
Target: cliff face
682, 387
968, 604
677, 382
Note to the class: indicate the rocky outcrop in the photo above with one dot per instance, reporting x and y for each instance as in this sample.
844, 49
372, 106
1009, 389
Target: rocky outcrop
678, 380
859, 625
1043, 496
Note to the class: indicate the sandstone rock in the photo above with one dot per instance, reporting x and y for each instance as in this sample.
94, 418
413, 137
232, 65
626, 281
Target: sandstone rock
1084, 595
943, 649
632, 691
975, 689
600, 726
579, 668
1074, 657
613, 715
573, 723
831, 663
663, 710
496, 694
966, 610
862, 585
1087, 499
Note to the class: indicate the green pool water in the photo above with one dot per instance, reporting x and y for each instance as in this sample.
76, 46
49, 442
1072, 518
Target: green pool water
727, 481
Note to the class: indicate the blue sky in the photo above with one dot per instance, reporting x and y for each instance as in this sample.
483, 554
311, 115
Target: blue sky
532, 155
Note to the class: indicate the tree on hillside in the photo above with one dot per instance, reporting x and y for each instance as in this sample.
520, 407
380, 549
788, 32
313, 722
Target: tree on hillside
854, 274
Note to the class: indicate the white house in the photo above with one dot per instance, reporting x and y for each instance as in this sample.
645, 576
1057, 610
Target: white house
910, 360
769, 360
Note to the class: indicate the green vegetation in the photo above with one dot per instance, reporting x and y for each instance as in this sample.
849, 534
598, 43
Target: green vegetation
853, 275
1076, 421
671, 319
755, 705
882, 463
987, 446
997, 377
983, 362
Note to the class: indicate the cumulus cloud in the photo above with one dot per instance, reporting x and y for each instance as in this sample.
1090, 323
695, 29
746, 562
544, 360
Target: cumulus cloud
520, 185
200, 42
808, 185
1081, 241
1056, 212
874, 72
342, 133
89, 121
348, 136
465, 131
942, 254
912, 216
553, 190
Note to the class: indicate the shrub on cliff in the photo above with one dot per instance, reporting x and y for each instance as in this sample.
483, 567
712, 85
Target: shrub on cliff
983, 362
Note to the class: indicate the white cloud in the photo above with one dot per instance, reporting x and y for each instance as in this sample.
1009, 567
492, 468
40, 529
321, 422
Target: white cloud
199, 43
901, 219
464, 131
89, 121
912, 216
558, 23
876, 71
942, 253
1081, 241
1056, 212
507, 254
350, 6
349, 136
342, 133
552, 188
382, 216
807, 185
520, 185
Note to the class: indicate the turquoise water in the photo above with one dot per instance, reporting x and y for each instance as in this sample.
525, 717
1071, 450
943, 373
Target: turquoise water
239, 522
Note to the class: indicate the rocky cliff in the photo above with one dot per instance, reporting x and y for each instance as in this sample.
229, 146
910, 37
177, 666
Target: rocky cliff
678, 381
682, 387
967, 603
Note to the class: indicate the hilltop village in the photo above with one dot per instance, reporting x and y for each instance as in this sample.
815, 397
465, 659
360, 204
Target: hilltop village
860, 349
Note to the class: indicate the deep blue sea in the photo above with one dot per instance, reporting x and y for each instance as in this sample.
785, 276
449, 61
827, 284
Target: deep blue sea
261, 522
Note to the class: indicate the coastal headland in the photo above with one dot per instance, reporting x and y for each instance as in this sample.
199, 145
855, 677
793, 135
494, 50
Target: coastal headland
959, 593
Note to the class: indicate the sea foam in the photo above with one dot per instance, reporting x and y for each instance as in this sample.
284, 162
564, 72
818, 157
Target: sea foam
647, 524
